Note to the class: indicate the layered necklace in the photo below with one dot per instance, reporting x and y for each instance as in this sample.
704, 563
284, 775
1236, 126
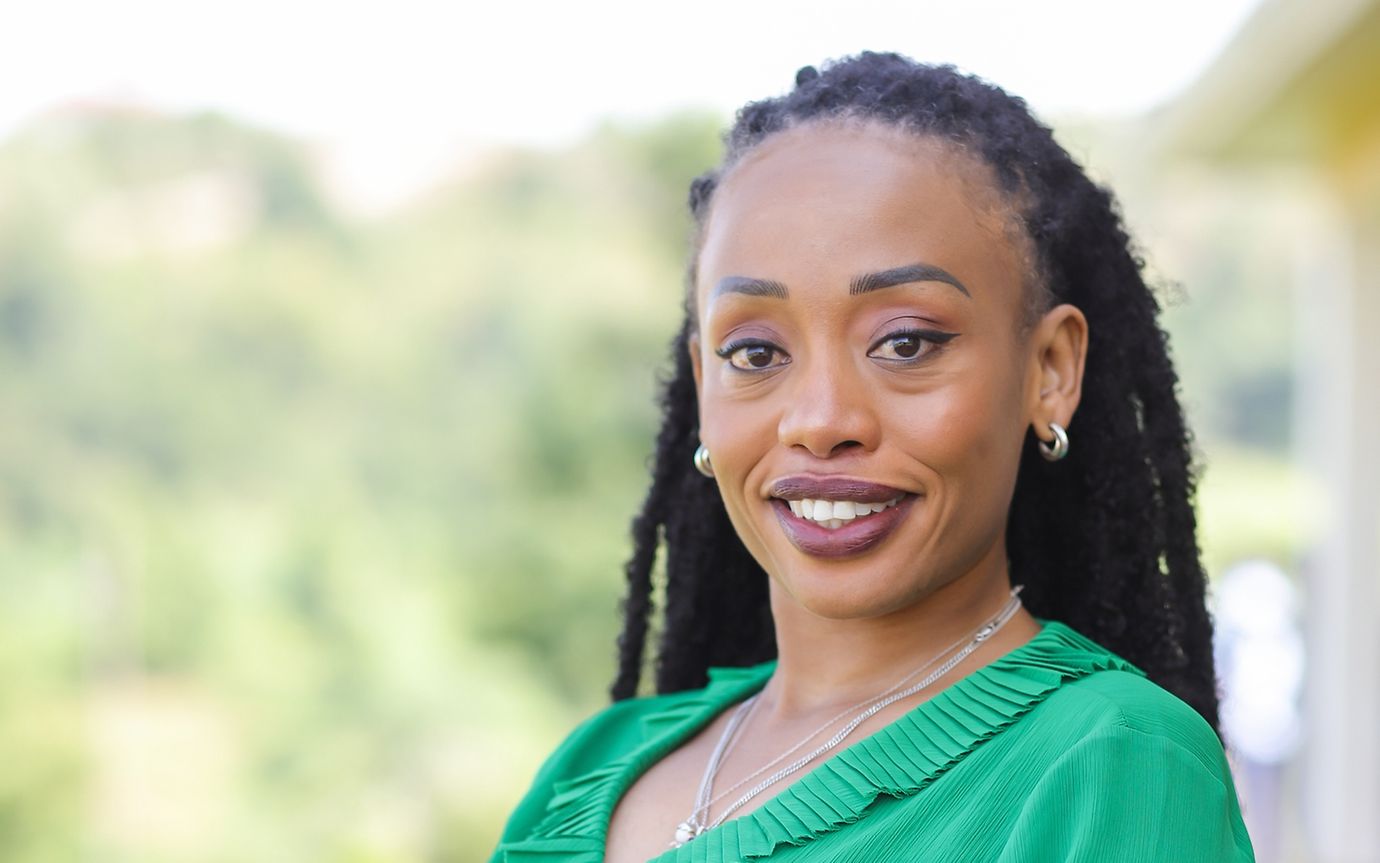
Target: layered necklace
698, 820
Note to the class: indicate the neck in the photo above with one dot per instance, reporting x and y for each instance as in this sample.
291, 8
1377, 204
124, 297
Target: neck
824, 665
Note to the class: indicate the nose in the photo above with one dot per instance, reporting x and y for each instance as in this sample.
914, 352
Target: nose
829, 411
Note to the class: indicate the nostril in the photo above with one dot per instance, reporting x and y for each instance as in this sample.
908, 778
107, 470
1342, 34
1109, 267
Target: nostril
819, 450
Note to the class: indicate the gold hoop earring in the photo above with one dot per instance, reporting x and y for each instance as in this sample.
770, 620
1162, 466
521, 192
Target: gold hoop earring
1061, 444
702, 463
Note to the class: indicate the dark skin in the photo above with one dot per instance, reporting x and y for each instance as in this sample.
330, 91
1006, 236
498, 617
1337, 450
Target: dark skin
839, 384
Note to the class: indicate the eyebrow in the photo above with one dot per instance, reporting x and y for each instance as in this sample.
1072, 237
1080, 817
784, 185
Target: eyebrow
903, 276
751, 287
862, 284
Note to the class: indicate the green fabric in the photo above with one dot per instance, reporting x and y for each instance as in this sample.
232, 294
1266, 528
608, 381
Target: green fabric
1058, 751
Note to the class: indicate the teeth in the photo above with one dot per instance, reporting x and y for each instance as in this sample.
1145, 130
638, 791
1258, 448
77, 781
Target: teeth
834, 514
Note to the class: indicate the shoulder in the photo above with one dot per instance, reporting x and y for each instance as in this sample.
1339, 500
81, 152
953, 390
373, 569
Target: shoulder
1100, 693
1136, 712
1128, 772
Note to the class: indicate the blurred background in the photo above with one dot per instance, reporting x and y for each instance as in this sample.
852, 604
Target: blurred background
329, 339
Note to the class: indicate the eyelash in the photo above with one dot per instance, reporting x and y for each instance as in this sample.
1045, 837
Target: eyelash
727, 351
934, 338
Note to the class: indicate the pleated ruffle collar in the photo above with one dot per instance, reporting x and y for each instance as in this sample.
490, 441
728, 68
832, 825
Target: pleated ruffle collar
899, 759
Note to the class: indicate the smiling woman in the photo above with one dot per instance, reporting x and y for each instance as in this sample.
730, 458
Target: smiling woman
901, 292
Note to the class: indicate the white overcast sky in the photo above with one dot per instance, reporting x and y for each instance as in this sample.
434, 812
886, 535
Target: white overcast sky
391, 87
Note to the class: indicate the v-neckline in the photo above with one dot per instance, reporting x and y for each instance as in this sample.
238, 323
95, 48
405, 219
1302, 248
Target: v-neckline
898, 759
736, 684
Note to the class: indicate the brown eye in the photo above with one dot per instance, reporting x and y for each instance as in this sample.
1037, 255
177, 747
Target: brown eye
909, 345
906, 346
758, 356
902, 346
753, 356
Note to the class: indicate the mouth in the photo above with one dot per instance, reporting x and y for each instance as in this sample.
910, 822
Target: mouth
838, 517
834, 514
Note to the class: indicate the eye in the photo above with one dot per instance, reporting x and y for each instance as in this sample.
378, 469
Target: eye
753, 356
909, 345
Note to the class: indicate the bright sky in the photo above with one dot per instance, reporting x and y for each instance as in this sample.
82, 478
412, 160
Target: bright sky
393, 90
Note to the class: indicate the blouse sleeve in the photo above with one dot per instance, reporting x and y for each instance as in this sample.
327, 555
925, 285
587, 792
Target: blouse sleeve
1126, 796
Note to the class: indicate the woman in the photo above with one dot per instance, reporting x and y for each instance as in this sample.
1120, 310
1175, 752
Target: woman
938, 620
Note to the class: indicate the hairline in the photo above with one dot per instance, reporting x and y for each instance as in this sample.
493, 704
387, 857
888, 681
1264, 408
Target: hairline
1010, 208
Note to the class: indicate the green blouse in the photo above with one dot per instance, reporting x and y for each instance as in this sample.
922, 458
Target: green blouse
1058, 751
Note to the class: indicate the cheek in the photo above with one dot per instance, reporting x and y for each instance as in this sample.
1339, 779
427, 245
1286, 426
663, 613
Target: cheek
738, 437
968, 434
738, 433
734, 420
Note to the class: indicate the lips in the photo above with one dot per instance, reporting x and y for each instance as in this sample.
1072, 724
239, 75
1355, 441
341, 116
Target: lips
833, 488
813, 534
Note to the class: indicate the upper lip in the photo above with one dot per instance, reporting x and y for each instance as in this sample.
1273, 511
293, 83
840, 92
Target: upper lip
833, 488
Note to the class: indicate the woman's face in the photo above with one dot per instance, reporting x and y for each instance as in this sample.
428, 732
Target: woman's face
864, 385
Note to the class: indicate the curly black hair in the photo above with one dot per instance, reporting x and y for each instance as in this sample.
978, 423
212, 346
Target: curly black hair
1103, 540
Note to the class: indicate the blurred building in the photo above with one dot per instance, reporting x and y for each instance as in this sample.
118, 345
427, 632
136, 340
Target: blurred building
1291, 111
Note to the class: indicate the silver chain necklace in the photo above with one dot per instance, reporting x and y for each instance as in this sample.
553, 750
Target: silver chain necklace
696, 824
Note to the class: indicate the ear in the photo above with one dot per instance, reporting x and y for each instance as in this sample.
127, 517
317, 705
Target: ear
1058, 352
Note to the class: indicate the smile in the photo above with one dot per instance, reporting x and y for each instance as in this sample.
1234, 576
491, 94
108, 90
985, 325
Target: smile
833, 514
833, 517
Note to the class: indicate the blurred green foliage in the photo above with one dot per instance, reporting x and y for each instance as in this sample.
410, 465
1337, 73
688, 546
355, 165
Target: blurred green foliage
312, 523
320, 517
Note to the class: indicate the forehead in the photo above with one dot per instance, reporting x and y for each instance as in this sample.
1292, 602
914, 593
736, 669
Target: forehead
821, 199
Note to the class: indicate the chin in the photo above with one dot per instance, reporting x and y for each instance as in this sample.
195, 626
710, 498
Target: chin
838, 596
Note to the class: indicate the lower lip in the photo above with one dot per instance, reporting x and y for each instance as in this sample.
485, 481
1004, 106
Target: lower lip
855, 537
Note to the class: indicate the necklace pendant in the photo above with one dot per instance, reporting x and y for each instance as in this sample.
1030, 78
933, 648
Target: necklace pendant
686, 831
